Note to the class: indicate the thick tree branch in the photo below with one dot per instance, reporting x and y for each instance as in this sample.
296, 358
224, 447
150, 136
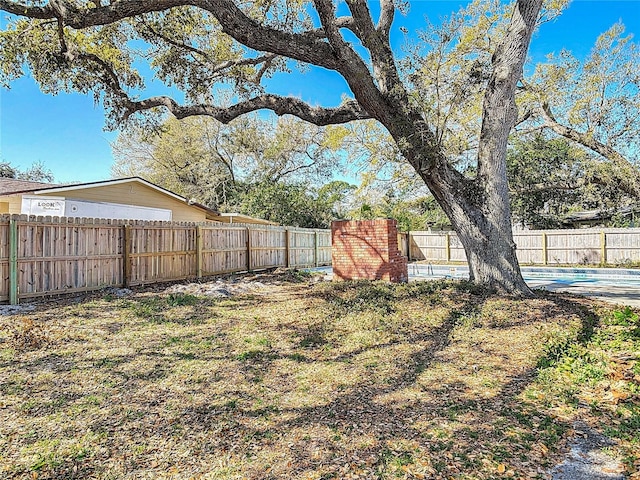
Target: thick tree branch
23, 10
384, 68
387, 12
364, 27
351, 66
79, 18
583, 139
216, 68
347, 112
373, 97
340, 22
327, 14
630, 180
305, 47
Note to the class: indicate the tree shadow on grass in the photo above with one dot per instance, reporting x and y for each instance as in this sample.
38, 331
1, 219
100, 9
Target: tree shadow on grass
473, 429
359, 404
416, 418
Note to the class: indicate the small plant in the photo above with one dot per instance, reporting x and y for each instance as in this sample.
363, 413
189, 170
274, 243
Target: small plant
249, 355
294, 275
180, 299
626, 318
148, 308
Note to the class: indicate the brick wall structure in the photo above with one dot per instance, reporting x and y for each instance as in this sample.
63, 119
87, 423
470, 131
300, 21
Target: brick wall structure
367, 249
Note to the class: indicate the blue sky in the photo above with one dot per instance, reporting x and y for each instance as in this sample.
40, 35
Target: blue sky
66, 132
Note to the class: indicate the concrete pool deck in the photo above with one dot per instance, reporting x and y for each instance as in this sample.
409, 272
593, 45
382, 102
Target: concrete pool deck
622, 295
615, 285
620, 286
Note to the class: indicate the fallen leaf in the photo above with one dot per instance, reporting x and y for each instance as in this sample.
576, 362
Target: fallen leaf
618, 395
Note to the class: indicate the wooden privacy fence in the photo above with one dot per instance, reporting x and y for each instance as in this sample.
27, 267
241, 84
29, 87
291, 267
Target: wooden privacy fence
540, 247
42, 256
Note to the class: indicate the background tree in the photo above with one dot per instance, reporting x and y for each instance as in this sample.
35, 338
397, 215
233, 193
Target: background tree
545, 180
594, 103
550, 178
287, 204
276, 170
195, 157
35, 173
339, 195
201, 158
91, 47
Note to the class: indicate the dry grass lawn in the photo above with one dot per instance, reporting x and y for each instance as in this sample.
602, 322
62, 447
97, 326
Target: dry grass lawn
304, 380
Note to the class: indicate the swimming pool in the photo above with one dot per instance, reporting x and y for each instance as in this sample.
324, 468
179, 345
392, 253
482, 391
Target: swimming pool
568, 275
621, 286
533, 275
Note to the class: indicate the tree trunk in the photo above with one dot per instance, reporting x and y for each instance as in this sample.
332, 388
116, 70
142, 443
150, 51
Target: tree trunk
482, 221
490, 250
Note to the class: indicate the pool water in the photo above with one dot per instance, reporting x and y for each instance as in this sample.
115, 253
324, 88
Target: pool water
561, 275
556, 275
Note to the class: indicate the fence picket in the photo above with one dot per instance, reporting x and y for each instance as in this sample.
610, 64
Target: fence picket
541, 247
54, 255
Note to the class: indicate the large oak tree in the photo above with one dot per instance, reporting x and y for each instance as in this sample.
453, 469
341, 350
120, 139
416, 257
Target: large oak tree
89, 46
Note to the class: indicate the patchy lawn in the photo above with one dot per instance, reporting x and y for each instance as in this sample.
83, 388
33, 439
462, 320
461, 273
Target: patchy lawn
314, 381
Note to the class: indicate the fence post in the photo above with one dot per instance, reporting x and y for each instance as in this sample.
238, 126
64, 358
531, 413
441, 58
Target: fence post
13, 262
315, 248
248, 249
603, 247
287, 247
409, 246
448, 246
545, 257
199, 251
126, 256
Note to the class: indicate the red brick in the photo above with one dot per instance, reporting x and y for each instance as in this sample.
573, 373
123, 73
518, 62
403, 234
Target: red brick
367, 249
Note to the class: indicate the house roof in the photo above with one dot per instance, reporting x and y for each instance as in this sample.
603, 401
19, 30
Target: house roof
14, 185
10, 186
240, 218
597, 215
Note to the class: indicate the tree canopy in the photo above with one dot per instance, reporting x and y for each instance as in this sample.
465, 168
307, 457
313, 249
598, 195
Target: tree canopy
550, 178
204, 159
277, 170
594, 103
35, 173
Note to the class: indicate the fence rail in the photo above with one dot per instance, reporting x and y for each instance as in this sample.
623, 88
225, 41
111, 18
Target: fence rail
50, 255
540, 247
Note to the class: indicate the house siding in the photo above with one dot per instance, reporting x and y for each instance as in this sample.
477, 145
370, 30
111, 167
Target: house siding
125, 193
14, 203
